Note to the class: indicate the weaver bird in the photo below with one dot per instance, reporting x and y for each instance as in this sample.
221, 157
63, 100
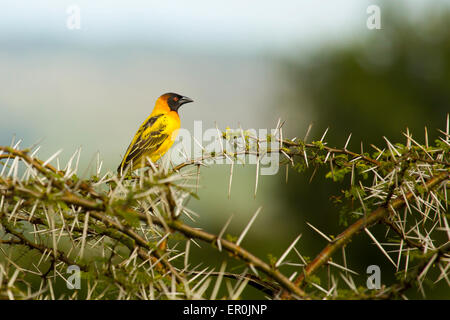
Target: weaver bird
156, 134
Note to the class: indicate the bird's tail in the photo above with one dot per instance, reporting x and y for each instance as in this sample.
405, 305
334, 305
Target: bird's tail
120, 169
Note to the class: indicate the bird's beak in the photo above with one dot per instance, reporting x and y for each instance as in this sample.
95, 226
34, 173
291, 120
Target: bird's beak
185, 100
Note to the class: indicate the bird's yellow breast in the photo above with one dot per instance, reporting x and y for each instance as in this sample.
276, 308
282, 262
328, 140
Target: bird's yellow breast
171, 124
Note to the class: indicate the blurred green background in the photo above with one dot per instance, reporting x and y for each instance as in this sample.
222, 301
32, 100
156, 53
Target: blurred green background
242, 63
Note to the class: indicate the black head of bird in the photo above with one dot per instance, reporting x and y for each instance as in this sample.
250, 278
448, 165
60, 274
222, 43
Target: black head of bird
175, 100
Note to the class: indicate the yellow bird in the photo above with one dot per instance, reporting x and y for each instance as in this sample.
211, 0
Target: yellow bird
157, 134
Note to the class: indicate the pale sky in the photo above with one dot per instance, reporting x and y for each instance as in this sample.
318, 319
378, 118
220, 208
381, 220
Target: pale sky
245, 25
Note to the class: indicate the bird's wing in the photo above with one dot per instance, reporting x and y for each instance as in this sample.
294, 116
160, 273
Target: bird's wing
150, 136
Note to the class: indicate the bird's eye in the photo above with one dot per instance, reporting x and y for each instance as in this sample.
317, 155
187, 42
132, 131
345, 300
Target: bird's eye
175, 99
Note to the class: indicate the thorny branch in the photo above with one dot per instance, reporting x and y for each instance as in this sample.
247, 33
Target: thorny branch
113, 227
